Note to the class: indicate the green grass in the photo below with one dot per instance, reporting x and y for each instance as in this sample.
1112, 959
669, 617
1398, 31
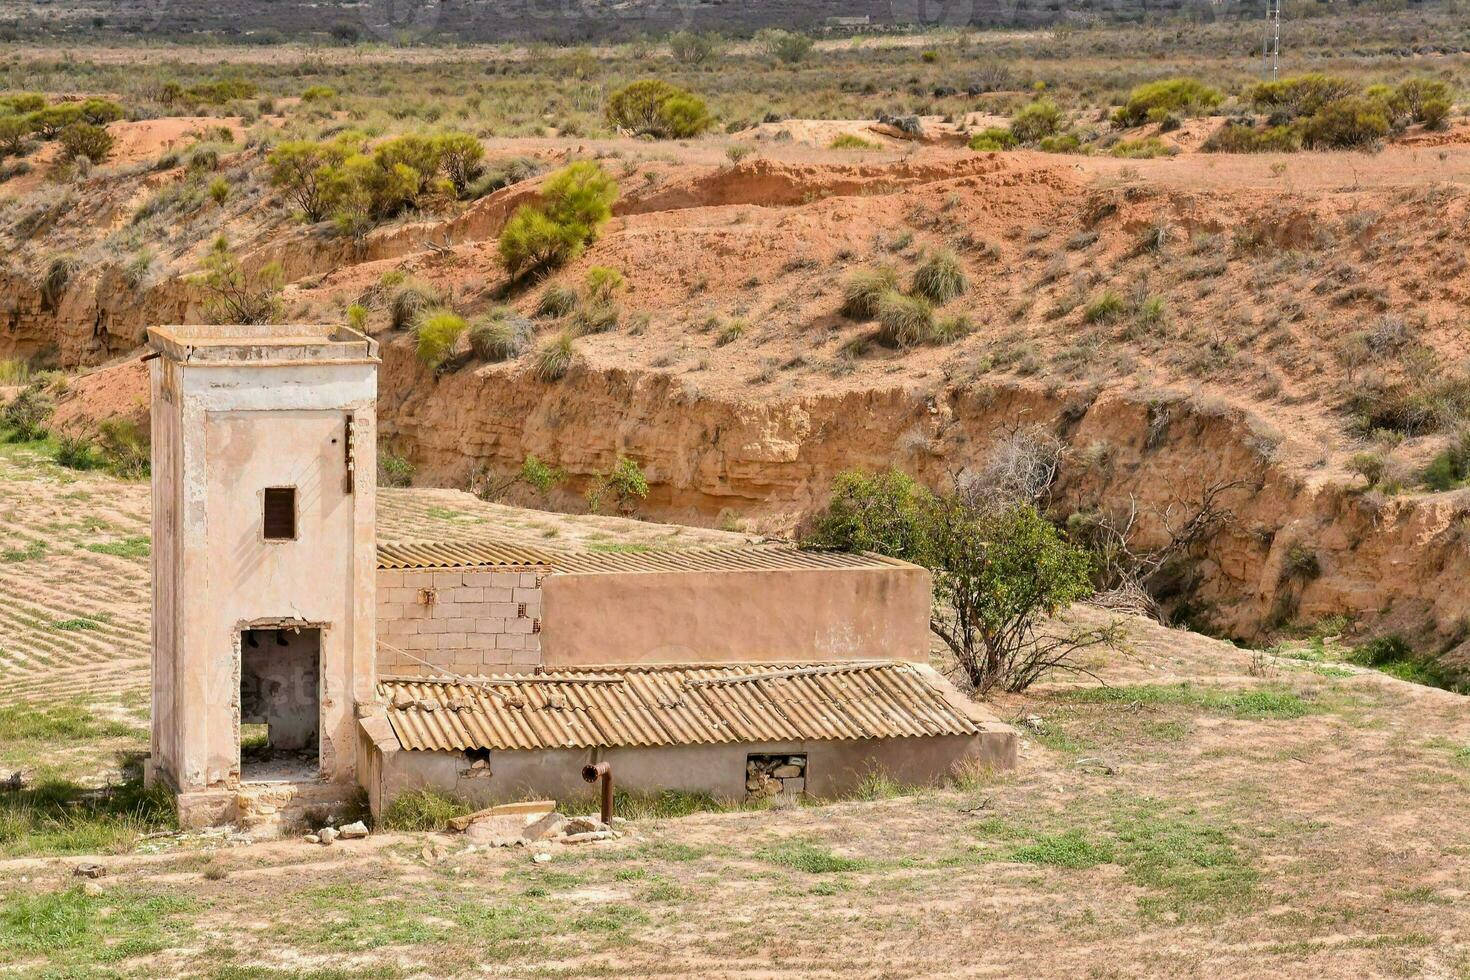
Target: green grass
1266, 703
1069, 849
802, 855
135, 547
59, 721
1393, 655
77, 624
60, 817
70, 928
31, 551
423, 809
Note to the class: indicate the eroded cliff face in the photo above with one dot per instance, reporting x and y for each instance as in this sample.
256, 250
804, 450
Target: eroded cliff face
1401, 562
97, 316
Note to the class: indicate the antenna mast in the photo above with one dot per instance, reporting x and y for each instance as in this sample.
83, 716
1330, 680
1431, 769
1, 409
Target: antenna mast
1271, 47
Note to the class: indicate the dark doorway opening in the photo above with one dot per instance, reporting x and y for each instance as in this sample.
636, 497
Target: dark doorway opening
280, 703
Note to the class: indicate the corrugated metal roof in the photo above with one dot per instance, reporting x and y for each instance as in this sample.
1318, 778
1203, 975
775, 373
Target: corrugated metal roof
677, 705
460, 554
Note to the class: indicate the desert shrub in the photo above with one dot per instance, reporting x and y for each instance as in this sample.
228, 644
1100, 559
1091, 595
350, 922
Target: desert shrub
59, 274
653, 107
949, 329
76, 453
394, 470
437, 330
992, 139
15, 132
21, 103
1060, 143
542, 476
689, 48
625, 483
730, 332
299, 167
219, 190
1105, 309
863, 288
602, 282
1344, 124
904, 321
850, 141
25, 415
461, 158
125, 448
576, 202
595, 316
357, 317
1420, 100
502, 173
1142, 149
318, 93
100, 112
1236, 137
1152, 101
1300, 95
1000, 569
409, 300
203, 159
501, 335
1427, 405
556, 300
556, 358
48, 123
1370, 466
785, 46
1451, 467
235, 296
1036, 120
940, 278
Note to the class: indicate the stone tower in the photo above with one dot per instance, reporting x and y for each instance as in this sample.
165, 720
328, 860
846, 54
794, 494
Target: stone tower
264, 471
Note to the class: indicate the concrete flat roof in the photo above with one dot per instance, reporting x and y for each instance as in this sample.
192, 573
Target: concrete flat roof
271, 343
421, 555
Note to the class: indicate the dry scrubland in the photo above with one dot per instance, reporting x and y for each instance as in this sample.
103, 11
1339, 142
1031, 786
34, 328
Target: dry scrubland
794, 280
1213, 812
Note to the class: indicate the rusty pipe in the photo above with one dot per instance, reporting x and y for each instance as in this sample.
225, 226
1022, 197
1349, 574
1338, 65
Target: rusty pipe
594, 771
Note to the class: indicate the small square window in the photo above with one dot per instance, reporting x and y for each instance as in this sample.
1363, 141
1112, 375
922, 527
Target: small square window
280, 513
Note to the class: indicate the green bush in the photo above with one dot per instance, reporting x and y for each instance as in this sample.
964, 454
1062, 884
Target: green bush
653, 107
576, 202
993, 139
595, 316
14, 133
1036, 120
904, 321
1416, 100
48, 123
1105, 309
219, 190
541, 476
26, 414
423, 809
1153, 100
850, 141
84, 140
410, 299
1451, 468
301, 168
602, 282
437, 330
318, 93
556, 300
1344, 124
1234, 137
556, 358
76, 453
100, 112
460, 158
869, 512
1060, 143
1300, 95
22, 102
689, 48
863, 288
1143, 149
501, 335
940, 278
785, 46
625, 483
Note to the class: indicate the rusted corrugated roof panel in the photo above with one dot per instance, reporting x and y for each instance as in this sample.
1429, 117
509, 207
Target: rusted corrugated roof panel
679, 705
458, 554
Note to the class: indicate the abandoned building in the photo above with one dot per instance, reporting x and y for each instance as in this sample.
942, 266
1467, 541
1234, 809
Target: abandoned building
297, 659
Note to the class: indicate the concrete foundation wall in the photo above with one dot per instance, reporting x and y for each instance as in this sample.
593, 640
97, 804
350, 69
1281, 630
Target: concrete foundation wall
458, 620
764, 616
834, 768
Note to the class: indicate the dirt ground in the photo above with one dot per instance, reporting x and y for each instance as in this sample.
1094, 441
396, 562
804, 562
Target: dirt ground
1211, 812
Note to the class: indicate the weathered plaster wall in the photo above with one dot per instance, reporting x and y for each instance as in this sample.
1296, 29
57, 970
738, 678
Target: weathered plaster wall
475, 621
766, 615
243, 427
834, 768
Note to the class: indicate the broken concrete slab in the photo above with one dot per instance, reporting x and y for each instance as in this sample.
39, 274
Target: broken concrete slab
353, 831
537, 807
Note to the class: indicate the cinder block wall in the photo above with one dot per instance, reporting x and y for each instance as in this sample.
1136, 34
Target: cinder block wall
475, 621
